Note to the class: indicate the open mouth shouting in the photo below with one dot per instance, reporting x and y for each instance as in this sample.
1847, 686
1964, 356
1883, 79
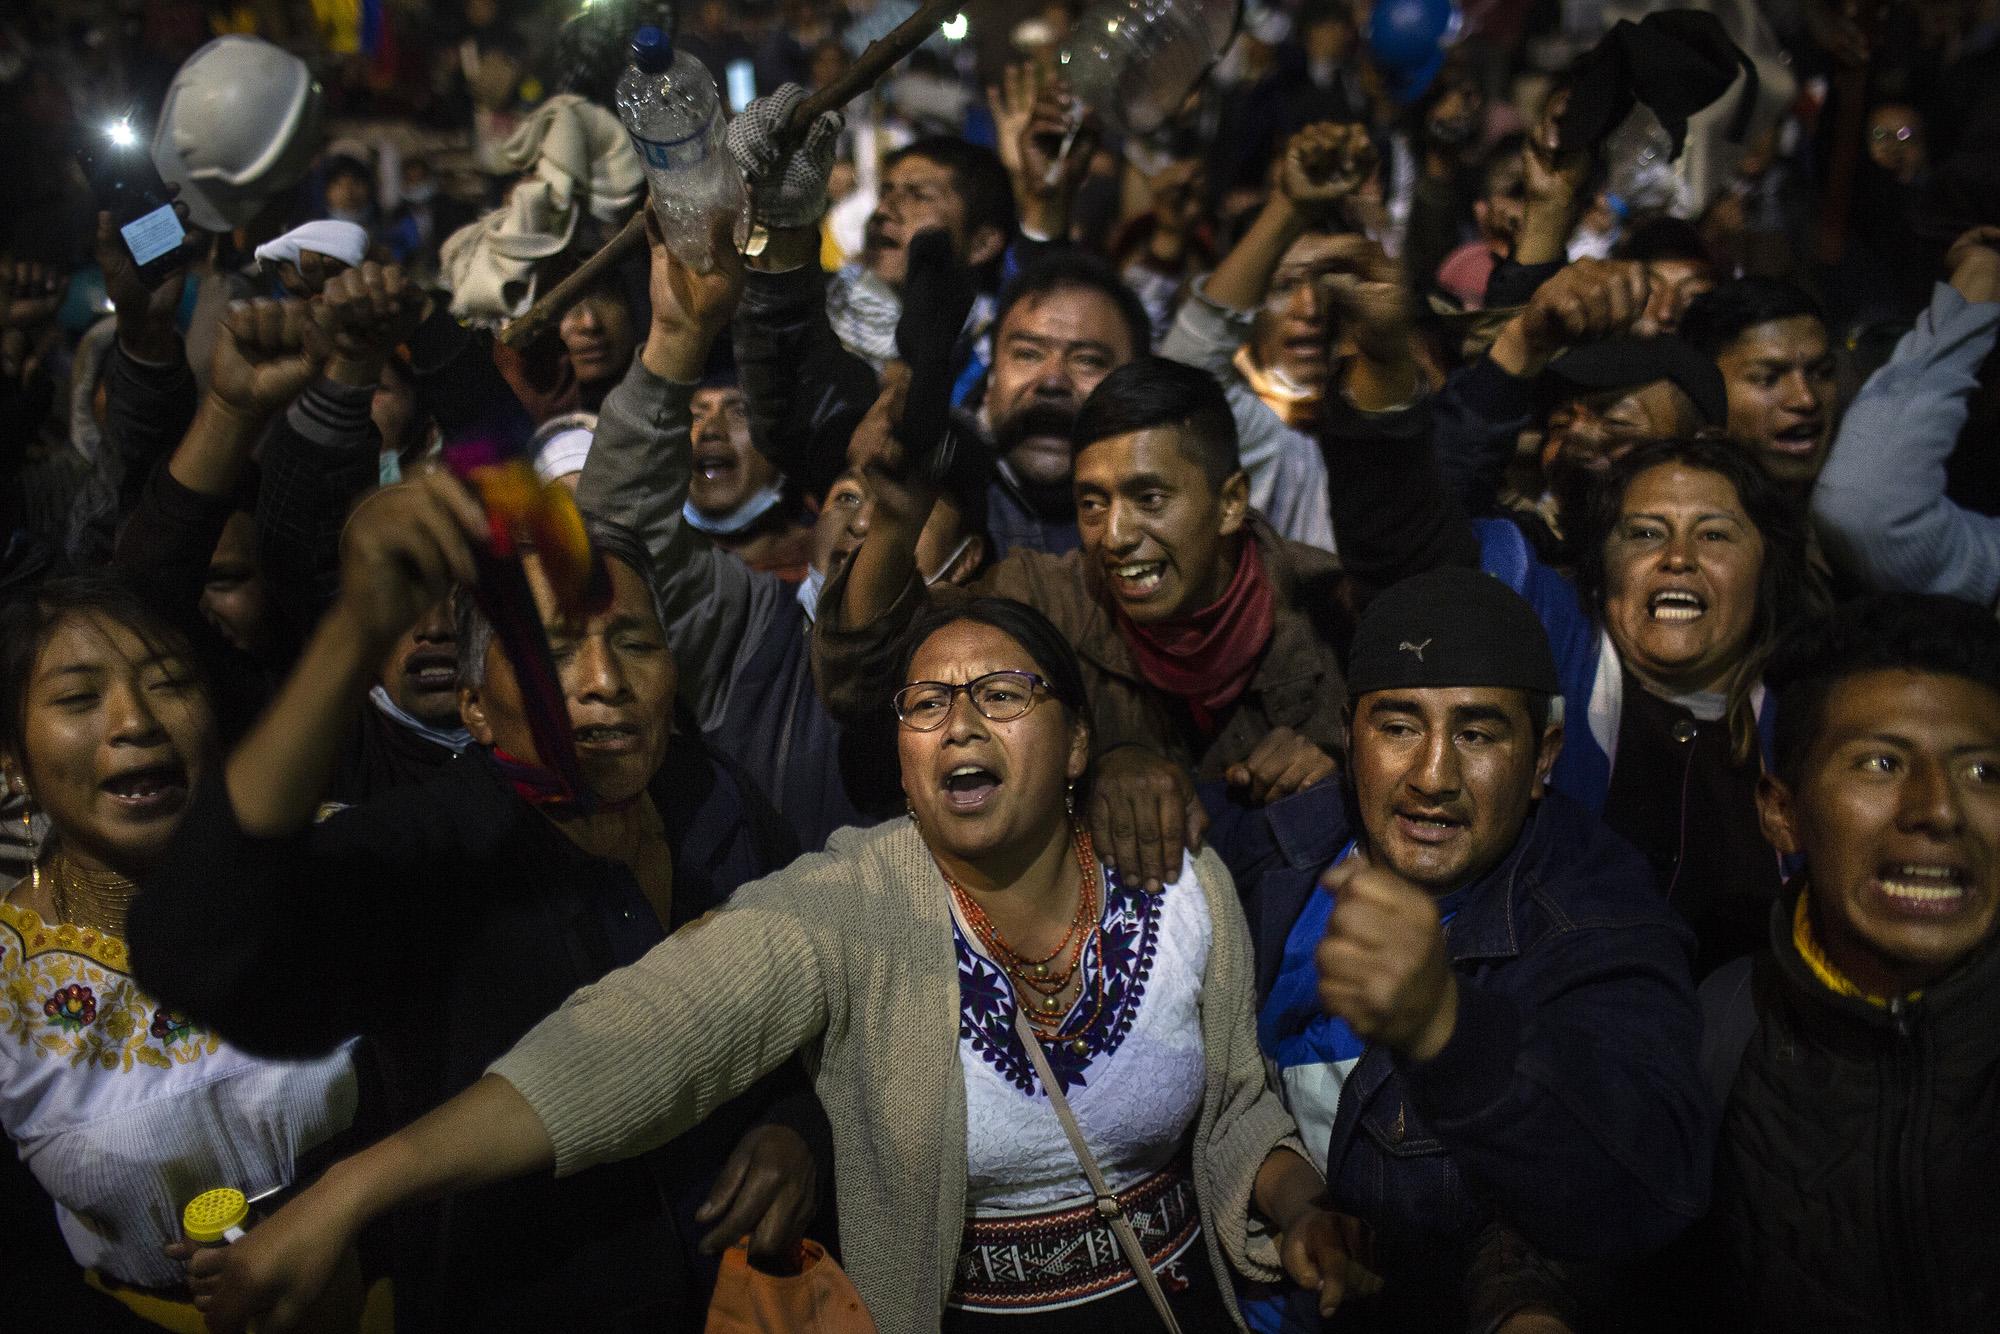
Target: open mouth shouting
1676, 606
1922, 889
970, 788
432, 670
1137, 580
716, 463
149, 791
1800, 440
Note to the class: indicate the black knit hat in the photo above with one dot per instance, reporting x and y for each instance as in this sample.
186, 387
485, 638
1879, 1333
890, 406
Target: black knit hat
1628, 361
1450, 627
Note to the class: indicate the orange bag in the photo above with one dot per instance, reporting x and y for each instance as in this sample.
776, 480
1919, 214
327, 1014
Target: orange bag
819, 1299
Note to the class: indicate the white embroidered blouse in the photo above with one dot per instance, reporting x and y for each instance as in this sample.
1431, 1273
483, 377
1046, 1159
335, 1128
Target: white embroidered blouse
1137, 1089
124, 1110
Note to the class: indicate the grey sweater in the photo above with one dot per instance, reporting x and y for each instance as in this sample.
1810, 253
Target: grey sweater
848, 955
1880, 507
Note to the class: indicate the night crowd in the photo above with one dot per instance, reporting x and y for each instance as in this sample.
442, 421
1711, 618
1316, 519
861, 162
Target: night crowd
1374, 707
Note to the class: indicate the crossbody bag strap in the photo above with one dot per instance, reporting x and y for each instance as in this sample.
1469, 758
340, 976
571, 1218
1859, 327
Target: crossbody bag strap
1108, 1206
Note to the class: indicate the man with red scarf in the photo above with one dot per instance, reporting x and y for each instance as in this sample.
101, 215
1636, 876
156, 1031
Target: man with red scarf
1208, 640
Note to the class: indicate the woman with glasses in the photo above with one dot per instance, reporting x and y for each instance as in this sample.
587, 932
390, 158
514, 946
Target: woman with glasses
897, 960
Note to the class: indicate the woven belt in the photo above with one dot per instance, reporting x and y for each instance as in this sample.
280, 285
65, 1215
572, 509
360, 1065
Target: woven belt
1042, 1261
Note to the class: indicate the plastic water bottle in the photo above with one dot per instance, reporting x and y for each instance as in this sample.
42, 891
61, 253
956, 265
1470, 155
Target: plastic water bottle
1134, 62
670, 109
1641, 171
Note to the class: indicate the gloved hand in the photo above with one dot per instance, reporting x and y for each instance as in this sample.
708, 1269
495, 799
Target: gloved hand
787, 184
938, 293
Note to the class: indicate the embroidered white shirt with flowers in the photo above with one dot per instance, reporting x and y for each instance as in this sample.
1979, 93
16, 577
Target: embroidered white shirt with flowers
124, 1109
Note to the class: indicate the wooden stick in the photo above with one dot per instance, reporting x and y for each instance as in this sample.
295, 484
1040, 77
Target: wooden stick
882, 55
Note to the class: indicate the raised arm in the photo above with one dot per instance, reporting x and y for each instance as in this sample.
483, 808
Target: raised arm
262, 360
713, 1008
804, 392
1880, 504
1046, 150
404, 550
149, 389
1555, 182
323, 453
1483, 408
637, 475
1392, 514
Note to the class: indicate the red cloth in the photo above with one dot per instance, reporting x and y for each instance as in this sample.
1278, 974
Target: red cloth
539, 787
1207, 658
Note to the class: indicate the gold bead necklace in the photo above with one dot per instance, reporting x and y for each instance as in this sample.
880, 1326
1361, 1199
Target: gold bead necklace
94, 899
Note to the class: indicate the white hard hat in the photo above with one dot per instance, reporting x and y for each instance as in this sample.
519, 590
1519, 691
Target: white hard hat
241, 122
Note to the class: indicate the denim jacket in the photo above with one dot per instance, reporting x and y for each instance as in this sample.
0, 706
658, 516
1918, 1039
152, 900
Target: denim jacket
1568, 1104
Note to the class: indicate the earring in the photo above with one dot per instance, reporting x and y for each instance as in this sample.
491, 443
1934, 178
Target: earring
1069, 802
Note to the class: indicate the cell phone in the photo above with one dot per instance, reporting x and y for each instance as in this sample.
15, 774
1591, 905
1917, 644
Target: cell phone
128, 186
741, 77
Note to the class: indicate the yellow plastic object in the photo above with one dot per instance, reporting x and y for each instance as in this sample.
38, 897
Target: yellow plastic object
213, 1214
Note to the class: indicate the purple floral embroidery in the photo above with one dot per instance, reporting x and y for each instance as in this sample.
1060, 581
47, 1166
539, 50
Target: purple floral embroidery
71, 1007
1131, 929
169, 1026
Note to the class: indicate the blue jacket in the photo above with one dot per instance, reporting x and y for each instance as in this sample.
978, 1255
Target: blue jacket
1591, 695
1568, 1103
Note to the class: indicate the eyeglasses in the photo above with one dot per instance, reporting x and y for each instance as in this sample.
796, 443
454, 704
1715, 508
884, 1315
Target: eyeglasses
1902, 133
1000, 697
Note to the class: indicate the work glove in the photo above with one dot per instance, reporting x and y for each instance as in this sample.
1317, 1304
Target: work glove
787, 182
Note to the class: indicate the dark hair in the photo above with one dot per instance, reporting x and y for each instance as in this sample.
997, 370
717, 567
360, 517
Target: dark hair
1068, 270
29, 620
1666, 238
1788, 588
1911, 632
976, 173
1155, 392
1019, 622
1721, 315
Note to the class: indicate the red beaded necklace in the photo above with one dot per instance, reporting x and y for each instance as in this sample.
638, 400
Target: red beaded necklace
1039, 983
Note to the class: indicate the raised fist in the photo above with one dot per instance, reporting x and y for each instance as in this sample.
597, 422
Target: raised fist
266, 352
1382, 962
1588, 300
1325, 163
363, 313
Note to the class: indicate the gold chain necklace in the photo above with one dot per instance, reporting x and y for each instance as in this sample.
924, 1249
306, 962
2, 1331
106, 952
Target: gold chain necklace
94, 899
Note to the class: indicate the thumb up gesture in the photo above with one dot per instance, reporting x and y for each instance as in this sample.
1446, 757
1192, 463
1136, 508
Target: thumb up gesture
1382, 965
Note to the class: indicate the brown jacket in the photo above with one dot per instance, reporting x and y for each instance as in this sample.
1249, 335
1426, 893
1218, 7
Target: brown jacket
1298, 683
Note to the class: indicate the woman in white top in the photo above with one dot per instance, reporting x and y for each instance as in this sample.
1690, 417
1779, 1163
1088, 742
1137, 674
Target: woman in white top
898, 959
122, 1109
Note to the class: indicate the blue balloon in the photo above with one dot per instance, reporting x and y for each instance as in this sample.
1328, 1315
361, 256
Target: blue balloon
1407, 39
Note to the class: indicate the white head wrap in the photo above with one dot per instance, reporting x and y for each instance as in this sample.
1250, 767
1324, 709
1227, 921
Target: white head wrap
343, 241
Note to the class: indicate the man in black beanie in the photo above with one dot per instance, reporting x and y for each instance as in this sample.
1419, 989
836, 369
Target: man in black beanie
1477, 1000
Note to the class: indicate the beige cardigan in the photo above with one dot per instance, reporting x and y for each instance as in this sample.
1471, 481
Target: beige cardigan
849, 953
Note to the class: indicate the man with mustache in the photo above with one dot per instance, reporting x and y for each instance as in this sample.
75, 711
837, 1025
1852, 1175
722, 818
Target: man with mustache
1476, 999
